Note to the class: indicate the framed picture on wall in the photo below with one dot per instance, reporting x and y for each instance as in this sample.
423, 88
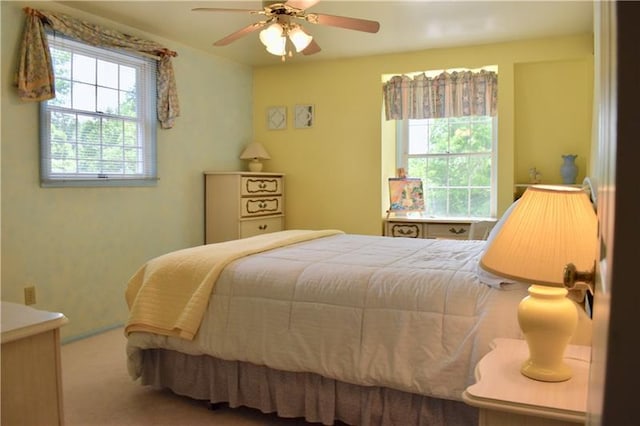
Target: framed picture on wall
303, 116
277, 118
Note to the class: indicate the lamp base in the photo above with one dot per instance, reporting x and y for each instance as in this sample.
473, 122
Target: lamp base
548, 320
255, 165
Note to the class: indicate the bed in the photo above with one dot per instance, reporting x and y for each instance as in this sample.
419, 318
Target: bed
326, 326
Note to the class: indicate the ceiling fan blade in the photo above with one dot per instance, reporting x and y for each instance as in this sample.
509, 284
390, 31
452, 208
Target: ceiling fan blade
301, 4
236, 35
311, 48
344, 22
221, 9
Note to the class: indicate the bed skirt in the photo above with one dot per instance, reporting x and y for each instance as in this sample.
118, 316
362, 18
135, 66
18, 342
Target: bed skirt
296, 395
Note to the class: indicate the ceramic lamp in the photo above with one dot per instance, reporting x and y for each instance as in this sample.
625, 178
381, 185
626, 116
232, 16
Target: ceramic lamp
550, 227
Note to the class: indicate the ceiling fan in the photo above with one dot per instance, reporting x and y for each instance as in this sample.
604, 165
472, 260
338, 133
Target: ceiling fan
280, 26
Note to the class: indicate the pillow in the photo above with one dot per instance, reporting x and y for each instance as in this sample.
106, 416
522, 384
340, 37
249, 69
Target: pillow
486, 277
499, 223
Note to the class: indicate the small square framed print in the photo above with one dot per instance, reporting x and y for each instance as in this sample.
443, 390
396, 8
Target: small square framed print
277, 118
303, 116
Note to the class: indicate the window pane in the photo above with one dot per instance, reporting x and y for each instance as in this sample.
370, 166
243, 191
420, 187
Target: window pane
130, 133
480, 170
107, 101
458, 171
458, 202
128, 104
481, 135
112, 132
107, 74
88, 130
84, 97
480, 202
63, 127
127, 78
112, 157
418, 136
459, 135
84, 69
436, 201
438, 136
61, 63
437, 171
63, 160
63, 93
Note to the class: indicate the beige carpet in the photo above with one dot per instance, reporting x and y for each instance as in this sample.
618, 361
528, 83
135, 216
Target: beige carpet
99, 392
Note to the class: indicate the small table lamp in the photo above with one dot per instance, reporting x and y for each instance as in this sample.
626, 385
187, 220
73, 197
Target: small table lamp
550, 227
255, 152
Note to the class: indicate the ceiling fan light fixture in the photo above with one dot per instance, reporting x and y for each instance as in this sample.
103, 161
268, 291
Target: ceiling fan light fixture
271, 35
299, 38
278, 28
278, 46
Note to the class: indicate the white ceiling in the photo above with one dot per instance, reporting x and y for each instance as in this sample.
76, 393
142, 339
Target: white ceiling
404, 25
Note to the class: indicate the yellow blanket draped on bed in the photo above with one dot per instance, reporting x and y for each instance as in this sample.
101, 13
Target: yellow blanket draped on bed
169, 294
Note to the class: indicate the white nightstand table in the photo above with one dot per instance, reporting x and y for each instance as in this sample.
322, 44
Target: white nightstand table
506, 397
31, 366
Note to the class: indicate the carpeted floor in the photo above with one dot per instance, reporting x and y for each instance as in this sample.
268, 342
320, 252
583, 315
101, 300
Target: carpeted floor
99, 392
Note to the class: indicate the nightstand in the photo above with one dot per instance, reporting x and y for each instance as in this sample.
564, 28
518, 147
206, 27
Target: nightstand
506, 397
31, 366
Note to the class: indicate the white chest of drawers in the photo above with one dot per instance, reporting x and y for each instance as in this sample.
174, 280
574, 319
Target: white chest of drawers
457, 229
242, 204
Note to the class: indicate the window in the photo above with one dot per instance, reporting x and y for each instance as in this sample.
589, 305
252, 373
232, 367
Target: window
454, 157
100, 129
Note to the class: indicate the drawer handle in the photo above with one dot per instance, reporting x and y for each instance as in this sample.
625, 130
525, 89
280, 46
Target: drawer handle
262, 185
262, 206
406, 230
262, 227
457, 231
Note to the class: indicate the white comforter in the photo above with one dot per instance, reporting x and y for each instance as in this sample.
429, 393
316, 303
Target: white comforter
409, 314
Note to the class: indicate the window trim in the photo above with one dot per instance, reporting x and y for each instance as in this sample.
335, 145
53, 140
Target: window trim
147, 120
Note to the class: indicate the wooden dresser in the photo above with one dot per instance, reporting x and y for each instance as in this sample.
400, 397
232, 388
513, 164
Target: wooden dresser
31, 366
450, 228
242, 204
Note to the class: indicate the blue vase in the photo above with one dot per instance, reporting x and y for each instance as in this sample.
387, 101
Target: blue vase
569, 169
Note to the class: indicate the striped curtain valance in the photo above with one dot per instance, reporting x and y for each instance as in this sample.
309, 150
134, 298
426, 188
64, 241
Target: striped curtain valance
455, 94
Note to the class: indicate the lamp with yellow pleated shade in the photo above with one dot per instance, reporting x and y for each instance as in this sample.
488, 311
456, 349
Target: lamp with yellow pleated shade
551, 232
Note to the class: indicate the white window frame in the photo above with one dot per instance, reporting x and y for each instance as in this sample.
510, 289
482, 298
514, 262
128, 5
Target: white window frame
145, 123
402, 159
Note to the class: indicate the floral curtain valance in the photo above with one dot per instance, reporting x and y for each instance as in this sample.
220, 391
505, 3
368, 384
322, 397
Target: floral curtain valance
455, 94
35, 79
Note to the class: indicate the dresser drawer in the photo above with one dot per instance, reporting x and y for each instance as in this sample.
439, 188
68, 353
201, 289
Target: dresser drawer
249, 228
261, 206
458, 231
255, 185
408, 230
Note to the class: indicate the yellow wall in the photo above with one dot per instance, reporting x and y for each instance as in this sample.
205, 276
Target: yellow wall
79, 246
553, 117
336, 171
